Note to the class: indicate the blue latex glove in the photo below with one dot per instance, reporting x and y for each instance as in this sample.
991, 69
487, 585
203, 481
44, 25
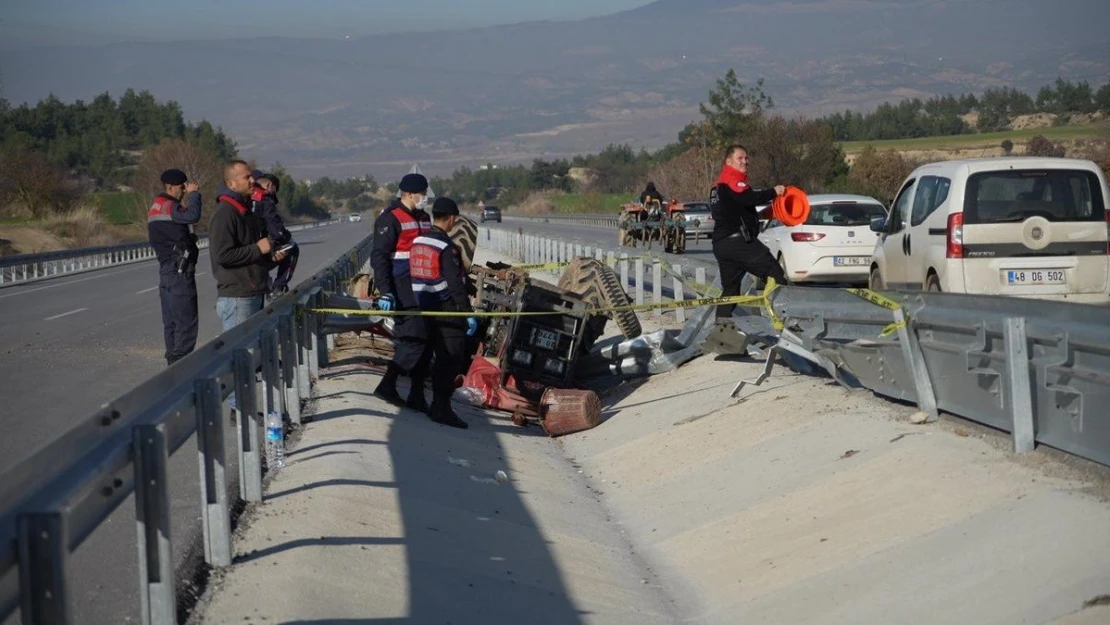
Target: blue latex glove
385, 302
471, 326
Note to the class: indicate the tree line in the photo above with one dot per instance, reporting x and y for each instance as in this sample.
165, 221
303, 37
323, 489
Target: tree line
54, 155
795, 150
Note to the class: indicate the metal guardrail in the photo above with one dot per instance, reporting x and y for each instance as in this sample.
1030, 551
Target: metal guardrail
1035, 368
51, 502
26, 268
1038, 369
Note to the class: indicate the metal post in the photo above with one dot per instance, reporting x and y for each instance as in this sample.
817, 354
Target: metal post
679, 295
625, 284
152, 517
289, 368
911, 351
300, 336
1021, 395
42, 569
210, 450
639, 281
317, 351
657, 286
250, 445
699, 277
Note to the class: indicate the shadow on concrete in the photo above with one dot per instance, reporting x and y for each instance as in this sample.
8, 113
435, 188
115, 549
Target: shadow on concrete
350, 441
475, 554
328, 483
323, 541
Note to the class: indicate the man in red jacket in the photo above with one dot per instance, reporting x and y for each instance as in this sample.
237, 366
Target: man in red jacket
736, 225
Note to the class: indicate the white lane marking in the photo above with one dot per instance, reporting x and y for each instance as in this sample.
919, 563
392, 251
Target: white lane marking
66, 314
68, 282
145, 290
199, 274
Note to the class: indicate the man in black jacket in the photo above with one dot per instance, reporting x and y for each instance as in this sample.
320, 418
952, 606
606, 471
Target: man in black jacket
439, 284
736, 225
241, 254
167, 224
394, 232
264, 202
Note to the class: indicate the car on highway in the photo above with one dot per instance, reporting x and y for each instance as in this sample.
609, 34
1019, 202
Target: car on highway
354, 217
699, 221
1018, 226
834, 244
490, 213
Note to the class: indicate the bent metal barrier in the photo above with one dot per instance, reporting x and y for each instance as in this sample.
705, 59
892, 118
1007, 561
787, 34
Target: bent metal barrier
1035, 368
51, 502
26, 268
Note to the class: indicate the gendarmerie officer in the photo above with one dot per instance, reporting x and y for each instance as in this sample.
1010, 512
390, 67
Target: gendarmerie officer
394, 232
439, 284
736, 225
171, 213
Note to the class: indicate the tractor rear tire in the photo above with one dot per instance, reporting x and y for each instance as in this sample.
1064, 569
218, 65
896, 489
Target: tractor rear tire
597, 284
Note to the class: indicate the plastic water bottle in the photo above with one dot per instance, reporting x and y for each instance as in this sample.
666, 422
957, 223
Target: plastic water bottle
275, 441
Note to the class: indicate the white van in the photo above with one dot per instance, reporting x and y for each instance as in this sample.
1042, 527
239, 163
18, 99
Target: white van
1019, 226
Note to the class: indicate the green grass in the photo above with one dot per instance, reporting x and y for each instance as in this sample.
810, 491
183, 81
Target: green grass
982, 140
120, 207
591, 203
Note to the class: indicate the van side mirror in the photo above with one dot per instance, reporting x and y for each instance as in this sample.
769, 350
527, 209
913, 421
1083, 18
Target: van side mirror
878, 224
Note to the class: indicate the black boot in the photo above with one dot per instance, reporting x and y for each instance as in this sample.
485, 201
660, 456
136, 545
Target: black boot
441, 412
387, 388
416, 400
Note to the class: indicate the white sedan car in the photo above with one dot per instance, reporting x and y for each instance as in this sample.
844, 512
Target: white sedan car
834, 245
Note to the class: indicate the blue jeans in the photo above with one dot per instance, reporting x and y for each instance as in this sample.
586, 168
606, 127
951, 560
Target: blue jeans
232, 312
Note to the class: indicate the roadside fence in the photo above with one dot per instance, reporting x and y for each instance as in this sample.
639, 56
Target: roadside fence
26, 268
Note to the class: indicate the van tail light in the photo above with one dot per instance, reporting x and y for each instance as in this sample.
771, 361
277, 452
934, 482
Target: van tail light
1108, 231
955, 236
806, 237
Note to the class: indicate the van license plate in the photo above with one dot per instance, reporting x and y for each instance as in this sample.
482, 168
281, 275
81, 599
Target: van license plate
851, 261
1034, 276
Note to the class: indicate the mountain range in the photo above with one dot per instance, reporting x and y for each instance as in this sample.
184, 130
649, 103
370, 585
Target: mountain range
549, 89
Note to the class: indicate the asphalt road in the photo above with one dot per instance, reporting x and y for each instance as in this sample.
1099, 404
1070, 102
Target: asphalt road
72, 344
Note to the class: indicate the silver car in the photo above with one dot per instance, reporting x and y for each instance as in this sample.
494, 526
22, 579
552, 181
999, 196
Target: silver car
699, 221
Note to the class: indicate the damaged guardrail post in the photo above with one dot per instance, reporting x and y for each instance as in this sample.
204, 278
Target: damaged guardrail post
1020, 392
43, 556
249, 426
215, 514
289, 368
911, 351
639, 282
152, 516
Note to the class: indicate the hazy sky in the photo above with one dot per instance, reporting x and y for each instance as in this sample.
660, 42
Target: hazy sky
25, 22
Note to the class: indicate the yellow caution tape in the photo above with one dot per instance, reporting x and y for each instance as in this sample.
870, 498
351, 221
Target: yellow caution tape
884, 301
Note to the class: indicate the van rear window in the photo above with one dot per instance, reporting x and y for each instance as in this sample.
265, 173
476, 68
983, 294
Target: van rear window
1012, 196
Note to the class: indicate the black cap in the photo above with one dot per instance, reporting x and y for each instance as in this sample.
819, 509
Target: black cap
413, 183
174, 176
274, 180
444, 206
257, 174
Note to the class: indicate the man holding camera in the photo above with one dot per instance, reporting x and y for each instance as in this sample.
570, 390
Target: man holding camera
264, 202
168, 222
